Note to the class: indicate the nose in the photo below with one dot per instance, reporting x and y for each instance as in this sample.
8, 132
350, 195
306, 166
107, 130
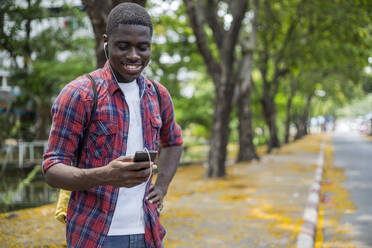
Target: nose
133, 54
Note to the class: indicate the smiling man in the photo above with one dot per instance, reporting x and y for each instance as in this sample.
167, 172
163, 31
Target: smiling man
113, 203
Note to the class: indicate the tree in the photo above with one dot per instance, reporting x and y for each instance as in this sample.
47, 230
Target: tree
315, 37
220, 59
36, 67
177, 64
292, 92
174, 57
276, 25
337, 60
248, 45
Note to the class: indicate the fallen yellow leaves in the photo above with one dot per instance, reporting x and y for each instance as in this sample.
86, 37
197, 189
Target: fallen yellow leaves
255, 205
259, 204
336, 202
35, 227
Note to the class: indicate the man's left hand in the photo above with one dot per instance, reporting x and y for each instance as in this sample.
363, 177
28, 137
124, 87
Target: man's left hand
156, 196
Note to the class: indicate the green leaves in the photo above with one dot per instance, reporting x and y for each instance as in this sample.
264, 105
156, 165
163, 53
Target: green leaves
45, 54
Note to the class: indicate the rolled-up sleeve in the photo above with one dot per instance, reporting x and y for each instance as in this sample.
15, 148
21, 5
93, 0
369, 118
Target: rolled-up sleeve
68, 114
170, 132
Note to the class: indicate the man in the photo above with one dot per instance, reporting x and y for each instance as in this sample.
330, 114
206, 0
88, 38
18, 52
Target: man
113, 203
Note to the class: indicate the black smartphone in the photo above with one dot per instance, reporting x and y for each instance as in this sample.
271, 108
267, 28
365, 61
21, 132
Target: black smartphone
141, 156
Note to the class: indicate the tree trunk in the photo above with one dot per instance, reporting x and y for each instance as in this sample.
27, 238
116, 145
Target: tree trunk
220, 132
98, 11
27, 47
269, 110
288, 111
298, 132
221, 70
288, 120
306, 114
301, 128
269, 91
302, 122
247, 149
274, 140
42, 122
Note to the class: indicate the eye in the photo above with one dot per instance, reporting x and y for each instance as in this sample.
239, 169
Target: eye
143, 47
123, 47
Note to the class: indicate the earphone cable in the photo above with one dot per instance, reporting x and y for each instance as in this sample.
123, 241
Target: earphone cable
148, 154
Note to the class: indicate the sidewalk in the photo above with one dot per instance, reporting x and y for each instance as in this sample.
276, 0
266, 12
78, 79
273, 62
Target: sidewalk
259, 204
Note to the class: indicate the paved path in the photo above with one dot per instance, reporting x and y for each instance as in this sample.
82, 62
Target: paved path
353, 156
259, 204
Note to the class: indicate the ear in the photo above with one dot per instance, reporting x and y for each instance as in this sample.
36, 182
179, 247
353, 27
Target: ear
105, 38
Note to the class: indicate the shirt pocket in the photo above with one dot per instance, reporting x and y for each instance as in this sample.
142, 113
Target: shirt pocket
155, 131
101, 141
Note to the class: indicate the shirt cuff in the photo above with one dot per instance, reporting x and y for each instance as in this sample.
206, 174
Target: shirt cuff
49, 162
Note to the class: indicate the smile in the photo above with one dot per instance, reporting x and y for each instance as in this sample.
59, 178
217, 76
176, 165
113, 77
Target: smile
132, 68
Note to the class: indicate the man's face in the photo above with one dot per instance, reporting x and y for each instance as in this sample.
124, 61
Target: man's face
129, 48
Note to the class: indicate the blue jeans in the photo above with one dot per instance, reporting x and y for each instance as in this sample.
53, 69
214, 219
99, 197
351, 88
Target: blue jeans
125, 241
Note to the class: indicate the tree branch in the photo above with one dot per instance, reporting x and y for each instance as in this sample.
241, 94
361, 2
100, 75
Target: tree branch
248, 45
197, 25
214, 22
288, 36
238, 10
278, 74
264, 59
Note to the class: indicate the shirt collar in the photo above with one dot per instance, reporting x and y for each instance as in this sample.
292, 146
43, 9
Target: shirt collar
113, 86
148, 84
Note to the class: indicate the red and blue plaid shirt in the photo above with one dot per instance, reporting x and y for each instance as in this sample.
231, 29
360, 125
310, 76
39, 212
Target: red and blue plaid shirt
90, 211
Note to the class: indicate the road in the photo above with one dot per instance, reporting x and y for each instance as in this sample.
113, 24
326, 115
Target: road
353, 153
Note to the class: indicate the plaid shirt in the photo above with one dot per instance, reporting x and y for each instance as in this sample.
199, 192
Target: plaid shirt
90, 211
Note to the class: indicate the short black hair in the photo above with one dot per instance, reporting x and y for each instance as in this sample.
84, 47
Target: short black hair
128, 13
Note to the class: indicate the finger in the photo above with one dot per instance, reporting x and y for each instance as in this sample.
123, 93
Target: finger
154, 199
138, 166
151, 195
152, 187
160, 207
125, 158
139, 174
132, 166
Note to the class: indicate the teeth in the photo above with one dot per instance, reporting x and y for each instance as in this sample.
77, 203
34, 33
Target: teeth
132, 66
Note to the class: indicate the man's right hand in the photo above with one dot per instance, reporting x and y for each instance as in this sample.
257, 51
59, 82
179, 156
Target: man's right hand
123, 172
120, 172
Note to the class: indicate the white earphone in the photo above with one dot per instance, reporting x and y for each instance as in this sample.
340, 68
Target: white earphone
104, 49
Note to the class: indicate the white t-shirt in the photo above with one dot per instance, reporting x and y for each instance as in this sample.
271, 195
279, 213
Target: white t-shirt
128, 216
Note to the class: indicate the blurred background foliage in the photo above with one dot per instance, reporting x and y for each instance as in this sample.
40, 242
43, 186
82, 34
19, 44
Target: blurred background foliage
313, 58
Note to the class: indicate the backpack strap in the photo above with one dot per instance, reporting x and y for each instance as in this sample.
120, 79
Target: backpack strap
157, 93
93, 110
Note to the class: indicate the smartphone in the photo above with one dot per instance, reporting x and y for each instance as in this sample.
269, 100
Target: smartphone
141, 156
